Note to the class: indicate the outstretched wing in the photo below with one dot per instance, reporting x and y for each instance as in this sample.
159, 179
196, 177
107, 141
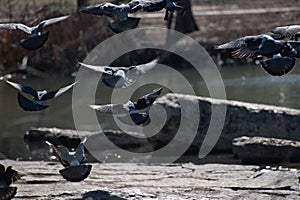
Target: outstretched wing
147, 5
80, 154
103, 69
56, 93
147, 100
117, 109
106, 9
23, 88
144, 68
53, 20
62, 153
11, 175
15, 26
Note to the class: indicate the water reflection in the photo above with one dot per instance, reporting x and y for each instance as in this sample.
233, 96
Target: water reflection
245, 83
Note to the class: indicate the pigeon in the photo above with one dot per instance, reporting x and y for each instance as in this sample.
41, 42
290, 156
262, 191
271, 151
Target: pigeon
285, 32
130, 110
156, 5
252, 46
7, 177
38, 96
119, 14
121, 77
36, 38
74, 162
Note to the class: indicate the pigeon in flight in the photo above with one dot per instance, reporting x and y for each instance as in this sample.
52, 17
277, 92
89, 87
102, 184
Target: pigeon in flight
157, 5
36, 38
278, 57
74, 162
38, 96
121, 77
130, 110
119, 14
7, 177
252, 46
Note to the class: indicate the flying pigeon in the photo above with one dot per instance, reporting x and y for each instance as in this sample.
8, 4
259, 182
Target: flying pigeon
36, 38
156, 5
74, 162
252, 46
38, 96
121, 77
7, 177
119, 14
130, 110
285, 32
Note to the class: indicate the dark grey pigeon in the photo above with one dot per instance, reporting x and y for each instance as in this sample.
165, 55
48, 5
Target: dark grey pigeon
130, 110
156, 5
121, 77
278, 65
38, 96
74, 162
119, 14
285, 32
252, 46
36, 38
7, 177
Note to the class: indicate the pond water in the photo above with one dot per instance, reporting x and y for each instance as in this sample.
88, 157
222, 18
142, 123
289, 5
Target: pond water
247, 83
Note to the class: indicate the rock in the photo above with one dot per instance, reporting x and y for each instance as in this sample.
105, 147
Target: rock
242, 119
261, 150
129, 181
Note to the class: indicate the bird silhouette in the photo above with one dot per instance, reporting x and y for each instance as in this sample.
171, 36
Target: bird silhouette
74, 161
121, 77
38, 96
36, 38
7, 177
130, 110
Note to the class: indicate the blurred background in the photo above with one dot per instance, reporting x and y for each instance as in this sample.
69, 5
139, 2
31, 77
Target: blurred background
210, 22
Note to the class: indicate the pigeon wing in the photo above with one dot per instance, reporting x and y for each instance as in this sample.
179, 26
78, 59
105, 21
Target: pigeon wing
52, 21
103, 69
144, 68
147, 100
23, 88
56, 93
80, 154
117, 109
62, 153
11, 175
106, 9
15, 26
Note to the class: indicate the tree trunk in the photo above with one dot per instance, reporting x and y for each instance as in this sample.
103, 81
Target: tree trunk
186, 23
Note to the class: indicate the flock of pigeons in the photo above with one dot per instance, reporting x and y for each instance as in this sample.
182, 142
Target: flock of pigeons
276, 50
74, 161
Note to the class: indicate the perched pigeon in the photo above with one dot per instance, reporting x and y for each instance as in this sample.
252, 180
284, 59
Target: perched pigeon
7, 177
74, 162
130, 110
252, 46
119, 13
285, 32
36, 38
38, 96
121, 77
156, 5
